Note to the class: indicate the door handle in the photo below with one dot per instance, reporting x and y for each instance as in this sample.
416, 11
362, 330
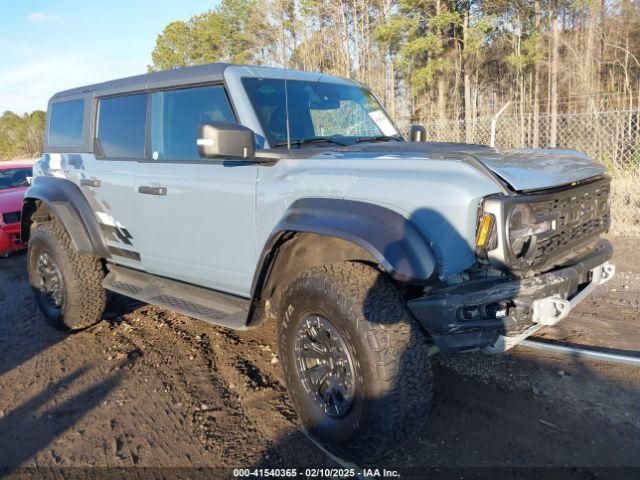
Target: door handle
147, 190
87, 182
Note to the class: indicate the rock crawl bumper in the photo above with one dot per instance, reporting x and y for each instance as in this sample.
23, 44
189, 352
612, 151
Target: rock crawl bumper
497, 315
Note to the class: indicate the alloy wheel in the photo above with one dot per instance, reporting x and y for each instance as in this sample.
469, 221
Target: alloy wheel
324, 365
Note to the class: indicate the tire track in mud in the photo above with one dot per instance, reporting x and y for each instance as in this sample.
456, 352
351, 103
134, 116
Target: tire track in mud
220, 389
178, 397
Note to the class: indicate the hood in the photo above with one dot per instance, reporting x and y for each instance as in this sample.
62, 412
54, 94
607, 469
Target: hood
529, 169
522, 169
11, 199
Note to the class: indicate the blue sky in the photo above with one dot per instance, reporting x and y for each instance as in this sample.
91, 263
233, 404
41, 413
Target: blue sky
51, 45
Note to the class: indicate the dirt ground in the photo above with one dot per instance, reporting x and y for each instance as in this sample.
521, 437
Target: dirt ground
148, 387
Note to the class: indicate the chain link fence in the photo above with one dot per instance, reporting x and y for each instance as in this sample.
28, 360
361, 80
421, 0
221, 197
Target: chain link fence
611, 137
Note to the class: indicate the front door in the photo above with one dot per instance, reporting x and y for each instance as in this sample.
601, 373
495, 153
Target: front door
197, 215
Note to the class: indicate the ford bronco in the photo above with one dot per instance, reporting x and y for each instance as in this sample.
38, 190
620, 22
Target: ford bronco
298, 201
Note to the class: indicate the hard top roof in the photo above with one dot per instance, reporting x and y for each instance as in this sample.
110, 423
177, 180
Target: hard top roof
210, 72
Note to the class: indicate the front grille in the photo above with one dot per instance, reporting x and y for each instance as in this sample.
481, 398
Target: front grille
579, 214
11, 217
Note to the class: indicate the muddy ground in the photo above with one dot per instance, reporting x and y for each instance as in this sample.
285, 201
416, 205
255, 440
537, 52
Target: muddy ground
148, 387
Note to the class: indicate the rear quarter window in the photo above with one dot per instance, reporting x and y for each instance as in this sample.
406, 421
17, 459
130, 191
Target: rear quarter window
66, 121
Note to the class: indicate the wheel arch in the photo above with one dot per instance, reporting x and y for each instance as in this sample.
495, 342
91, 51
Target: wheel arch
63, 199
314, 231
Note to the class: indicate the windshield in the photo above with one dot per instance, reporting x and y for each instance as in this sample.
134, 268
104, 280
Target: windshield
14, 178
334, 112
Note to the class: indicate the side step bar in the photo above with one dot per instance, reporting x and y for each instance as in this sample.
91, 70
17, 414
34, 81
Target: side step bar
204, 304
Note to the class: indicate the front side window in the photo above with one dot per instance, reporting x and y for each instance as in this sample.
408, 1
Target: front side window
14, 178
176, 118
66, 120
342, 112
122, 126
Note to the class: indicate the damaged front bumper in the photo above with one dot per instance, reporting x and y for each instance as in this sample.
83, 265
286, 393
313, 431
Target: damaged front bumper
497, 315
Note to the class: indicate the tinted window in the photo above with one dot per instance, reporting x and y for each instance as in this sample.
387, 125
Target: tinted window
121, 126
65, 124
14, 178
177, 115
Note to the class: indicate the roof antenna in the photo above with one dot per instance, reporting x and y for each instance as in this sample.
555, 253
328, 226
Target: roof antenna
286, 83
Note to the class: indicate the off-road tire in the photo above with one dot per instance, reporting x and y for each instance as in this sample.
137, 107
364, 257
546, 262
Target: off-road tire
84, 297
394, 382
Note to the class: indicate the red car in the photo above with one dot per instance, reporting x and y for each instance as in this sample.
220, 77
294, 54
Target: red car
13, 183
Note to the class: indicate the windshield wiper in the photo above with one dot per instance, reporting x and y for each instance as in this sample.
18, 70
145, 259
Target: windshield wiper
310, 140
377, 138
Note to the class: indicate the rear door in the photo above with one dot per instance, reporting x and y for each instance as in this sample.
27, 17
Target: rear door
197, 215
108, 176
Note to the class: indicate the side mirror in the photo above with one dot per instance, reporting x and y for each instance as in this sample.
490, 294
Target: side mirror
226, 140
417, 133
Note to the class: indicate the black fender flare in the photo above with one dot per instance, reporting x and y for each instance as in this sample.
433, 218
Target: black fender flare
390, 238
70, 206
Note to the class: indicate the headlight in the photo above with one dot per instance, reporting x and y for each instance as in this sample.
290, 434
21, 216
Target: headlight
520, 231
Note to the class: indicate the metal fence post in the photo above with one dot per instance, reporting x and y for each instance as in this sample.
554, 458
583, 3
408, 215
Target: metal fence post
494, 122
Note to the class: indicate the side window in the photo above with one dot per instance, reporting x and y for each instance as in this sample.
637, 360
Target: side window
176, 116
122, 126
65, 124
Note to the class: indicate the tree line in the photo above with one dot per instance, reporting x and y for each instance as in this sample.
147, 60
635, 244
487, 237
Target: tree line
21, 136
433, 59
426, 59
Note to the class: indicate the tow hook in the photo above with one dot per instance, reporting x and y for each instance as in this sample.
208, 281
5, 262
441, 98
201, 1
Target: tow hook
550, 310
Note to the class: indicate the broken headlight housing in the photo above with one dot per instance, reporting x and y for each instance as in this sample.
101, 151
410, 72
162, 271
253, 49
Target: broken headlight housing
520, 231
508, 231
